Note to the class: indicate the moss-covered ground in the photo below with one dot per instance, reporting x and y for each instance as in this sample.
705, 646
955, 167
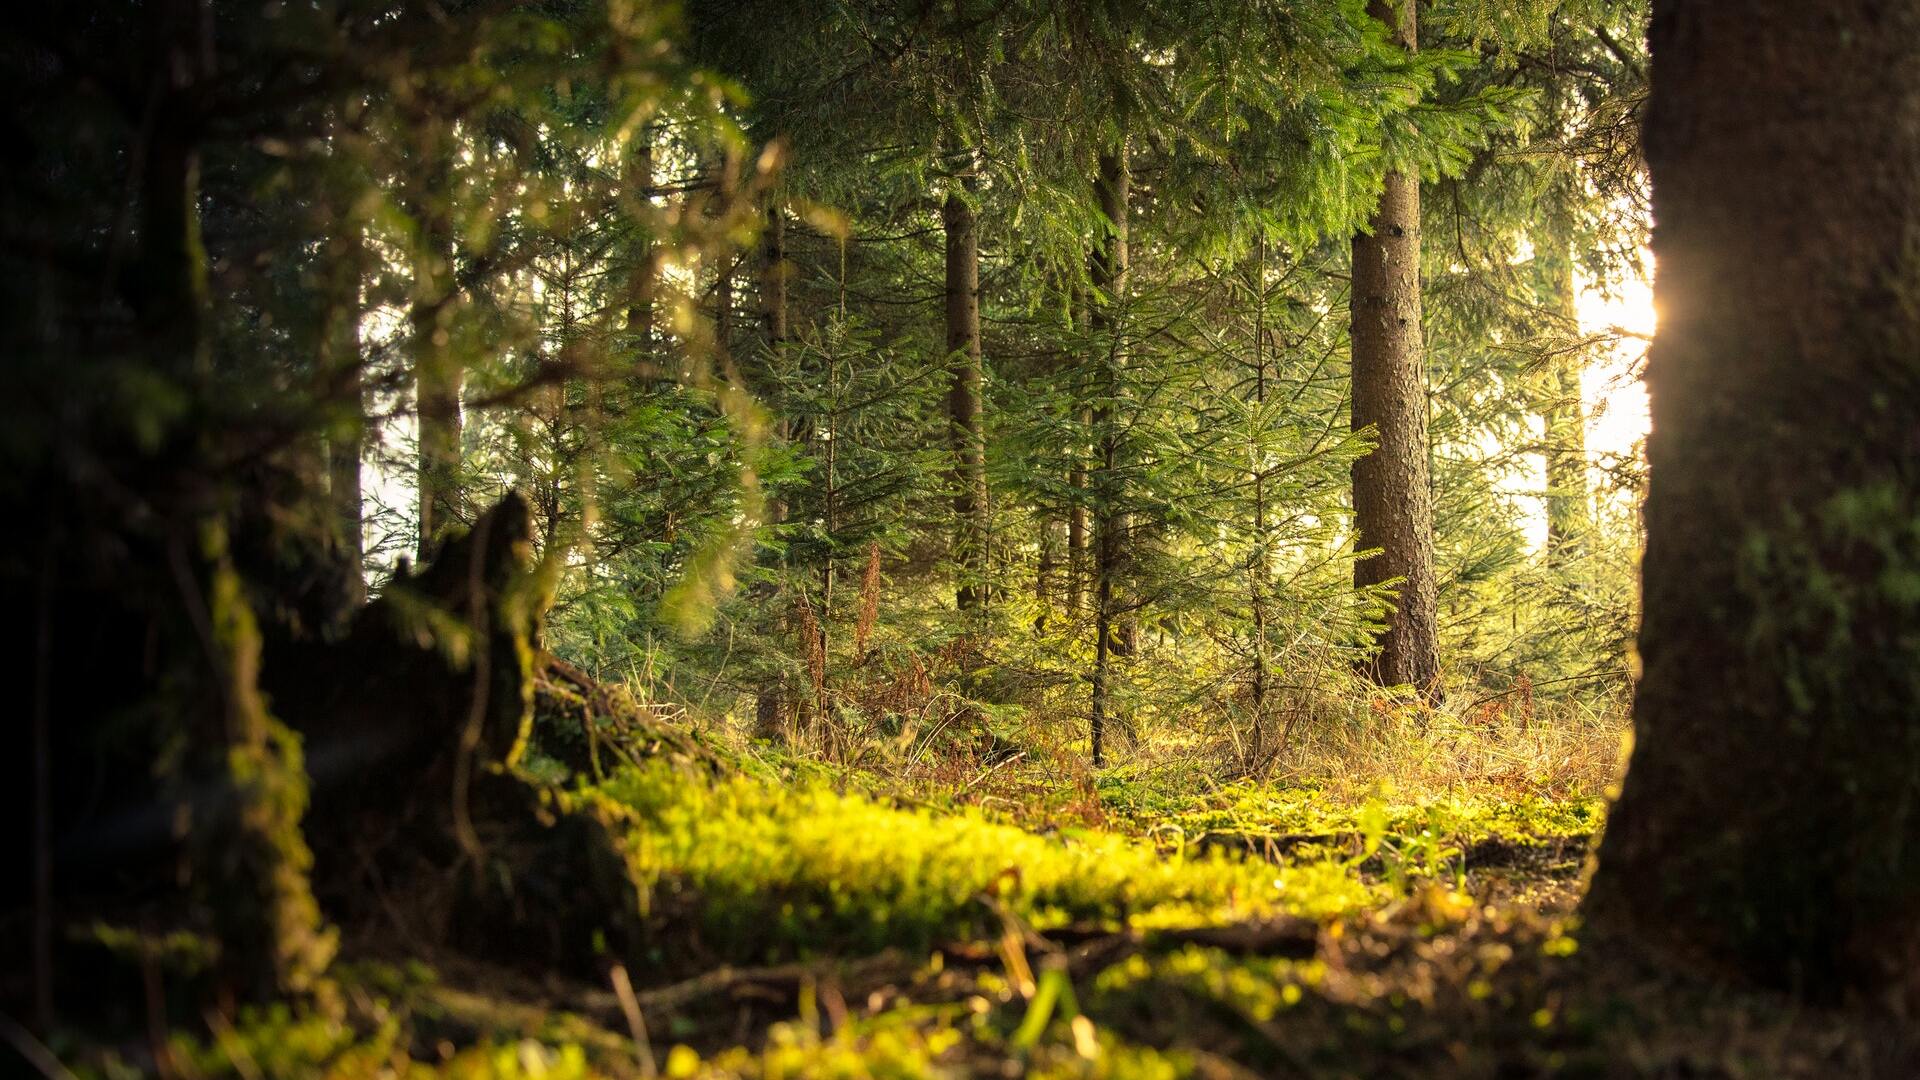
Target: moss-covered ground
811, 922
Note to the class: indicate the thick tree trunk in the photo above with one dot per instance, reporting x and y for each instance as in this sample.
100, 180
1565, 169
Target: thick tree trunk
249, 858
970, 505
1770, 819
437, 370
1109, 272
1392, 507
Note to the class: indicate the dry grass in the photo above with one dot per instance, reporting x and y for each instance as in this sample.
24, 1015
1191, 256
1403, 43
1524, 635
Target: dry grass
1516, 744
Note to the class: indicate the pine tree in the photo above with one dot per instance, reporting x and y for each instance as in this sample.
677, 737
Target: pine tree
1392, 505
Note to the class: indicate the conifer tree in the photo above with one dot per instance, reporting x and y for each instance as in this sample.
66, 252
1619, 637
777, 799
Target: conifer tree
1110, 543
970, 506
1393, 511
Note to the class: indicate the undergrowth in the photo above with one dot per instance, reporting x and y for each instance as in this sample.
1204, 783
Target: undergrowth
908, 937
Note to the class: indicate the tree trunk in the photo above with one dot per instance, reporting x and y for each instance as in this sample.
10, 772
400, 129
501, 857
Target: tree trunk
643, 266
773, 277
248, 855
1392, 507
723, 314
436, 370
1077, 538
1564, 423
1077, 523
1108, 268
963, 401
346, 436
1770, 819
773, 696
1260, 561
1043, 573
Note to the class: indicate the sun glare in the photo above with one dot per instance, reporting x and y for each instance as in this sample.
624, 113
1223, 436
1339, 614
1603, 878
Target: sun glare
1623, 317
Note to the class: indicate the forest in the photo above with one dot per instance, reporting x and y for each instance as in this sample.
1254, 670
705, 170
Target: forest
943, 538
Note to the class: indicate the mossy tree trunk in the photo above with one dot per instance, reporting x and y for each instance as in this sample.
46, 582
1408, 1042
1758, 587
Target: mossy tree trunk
1392, 506
1770, 818
241, 786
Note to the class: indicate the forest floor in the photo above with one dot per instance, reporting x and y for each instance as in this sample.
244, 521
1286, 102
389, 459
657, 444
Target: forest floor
1020, 918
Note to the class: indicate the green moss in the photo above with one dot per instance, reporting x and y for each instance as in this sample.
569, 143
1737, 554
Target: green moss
765, 871
1254, 811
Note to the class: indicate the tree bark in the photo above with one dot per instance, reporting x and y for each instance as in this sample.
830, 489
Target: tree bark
773, 277
1564, 423
437, 371
643, 267
969, 481
1077, 522
249, 857
1259, 562
1043, 573
1770, 817
1392, 506
346, 436
1108, 267
773, 697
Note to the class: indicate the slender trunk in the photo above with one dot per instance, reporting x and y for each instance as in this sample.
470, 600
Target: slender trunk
1043, 571
437, 371
773, 278
771, 696
1077, 523
346, 436
774, 273
1392, 506
575, 422
1769, 821
723, 314
831, 523
720, 173
643, 265
1077, 534
1108, 267
44, 1018
1258, 563
1564, 425
963, 401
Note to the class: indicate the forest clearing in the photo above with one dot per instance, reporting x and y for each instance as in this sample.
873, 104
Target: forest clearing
773, 538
